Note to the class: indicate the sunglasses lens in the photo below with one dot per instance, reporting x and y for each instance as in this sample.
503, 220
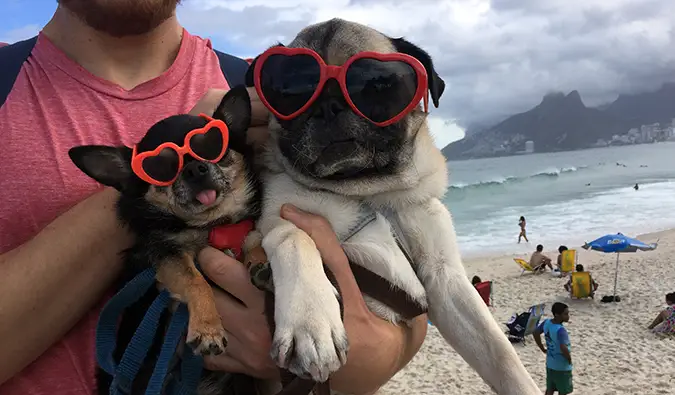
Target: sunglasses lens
208, 145
288, 82
381, 89
162, 167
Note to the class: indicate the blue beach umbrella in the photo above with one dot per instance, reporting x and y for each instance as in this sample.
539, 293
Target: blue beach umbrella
618, 243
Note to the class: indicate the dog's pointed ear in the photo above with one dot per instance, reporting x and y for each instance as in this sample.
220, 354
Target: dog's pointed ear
248, 79
436, 83
110, 166
235, 110
249, 72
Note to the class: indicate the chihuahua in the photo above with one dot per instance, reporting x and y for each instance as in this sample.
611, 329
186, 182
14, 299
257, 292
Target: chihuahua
185, 177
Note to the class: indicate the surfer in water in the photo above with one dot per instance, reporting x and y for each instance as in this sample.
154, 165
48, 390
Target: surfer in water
636, 187
523, 232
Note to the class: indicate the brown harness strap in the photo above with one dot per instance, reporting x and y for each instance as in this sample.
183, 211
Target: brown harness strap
385, 292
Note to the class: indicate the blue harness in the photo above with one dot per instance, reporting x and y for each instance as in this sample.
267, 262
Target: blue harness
135, 353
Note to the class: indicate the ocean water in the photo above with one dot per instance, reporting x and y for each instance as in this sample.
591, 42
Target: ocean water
567, 198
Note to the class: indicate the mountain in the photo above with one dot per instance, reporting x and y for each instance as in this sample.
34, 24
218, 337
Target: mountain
562, 122
559, 122
646, 108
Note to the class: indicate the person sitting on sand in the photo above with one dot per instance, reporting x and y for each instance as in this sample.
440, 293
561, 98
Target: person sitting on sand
665, 321
539, 261
476, 280
594, 286
523, 232
560, 252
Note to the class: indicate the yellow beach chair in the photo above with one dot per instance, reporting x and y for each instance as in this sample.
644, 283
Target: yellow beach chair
525, 265
569, 261
581, 285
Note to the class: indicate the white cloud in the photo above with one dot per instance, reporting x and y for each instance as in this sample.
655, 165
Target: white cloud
497, 57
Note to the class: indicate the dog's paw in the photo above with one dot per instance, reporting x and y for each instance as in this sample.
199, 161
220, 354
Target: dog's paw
310, 339
261, 276
206, 338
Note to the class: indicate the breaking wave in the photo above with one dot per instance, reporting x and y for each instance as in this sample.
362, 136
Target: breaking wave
549, 173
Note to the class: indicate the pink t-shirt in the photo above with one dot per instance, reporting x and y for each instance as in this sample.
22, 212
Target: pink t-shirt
54, 105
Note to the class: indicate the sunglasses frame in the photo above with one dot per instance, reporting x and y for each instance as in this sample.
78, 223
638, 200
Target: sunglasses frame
339, 73
137, 159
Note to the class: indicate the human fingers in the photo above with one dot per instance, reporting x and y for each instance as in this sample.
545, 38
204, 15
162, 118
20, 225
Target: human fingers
232, 276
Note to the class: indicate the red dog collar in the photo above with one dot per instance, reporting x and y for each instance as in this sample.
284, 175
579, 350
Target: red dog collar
231, 236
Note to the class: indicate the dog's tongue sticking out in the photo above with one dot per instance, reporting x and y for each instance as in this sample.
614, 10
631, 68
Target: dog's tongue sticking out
207, 197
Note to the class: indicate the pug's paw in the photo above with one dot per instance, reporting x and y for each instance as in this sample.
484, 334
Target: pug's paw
310, 339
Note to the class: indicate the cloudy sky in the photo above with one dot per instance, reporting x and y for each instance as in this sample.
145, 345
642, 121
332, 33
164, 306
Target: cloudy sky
497, 57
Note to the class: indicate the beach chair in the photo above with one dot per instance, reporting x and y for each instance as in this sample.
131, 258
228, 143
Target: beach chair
581, 285
525, 265
485, 291
569, 261
524, 324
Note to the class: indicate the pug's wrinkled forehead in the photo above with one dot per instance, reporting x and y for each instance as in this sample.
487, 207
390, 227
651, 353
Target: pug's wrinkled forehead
337, 40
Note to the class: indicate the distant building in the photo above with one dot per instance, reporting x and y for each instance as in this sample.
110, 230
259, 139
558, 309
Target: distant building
529, 146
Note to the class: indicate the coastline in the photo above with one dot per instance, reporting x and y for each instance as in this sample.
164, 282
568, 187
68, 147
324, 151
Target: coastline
613, 351
524, 250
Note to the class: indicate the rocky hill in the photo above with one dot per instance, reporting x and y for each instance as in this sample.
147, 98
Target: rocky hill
562, 122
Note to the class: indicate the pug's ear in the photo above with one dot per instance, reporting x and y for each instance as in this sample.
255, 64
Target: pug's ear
435, 82
235, 110
110, 166
249, 73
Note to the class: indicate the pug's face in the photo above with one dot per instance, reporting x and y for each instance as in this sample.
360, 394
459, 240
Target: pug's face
330, 141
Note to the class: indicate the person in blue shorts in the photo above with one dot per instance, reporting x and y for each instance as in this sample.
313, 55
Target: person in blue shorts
557, 350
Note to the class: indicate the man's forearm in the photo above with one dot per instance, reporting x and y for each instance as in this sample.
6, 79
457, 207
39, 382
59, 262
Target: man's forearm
50, 282
376, 357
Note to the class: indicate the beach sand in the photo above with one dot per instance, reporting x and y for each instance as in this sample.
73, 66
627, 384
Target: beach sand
612, 351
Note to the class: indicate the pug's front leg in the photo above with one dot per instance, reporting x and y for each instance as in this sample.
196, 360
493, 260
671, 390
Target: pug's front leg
310, 338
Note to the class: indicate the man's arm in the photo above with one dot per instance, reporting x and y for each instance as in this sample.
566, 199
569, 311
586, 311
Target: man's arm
50, 282
563, 339
537, 337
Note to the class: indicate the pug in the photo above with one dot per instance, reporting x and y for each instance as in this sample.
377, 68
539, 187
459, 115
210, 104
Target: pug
349, 140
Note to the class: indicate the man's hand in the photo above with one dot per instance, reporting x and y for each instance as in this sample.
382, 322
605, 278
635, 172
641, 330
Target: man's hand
378, 349
242, 309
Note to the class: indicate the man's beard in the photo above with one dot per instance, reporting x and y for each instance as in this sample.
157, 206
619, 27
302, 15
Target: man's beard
120, 18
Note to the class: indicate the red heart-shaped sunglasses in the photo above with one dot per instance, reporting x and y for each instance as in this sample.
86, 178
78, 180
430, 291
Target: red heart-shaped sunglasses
382, 88
162, 165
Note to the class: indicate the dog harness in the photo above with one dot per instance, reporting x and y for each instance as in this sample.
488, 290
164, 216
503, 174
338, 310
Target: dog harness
222, 237
231, 237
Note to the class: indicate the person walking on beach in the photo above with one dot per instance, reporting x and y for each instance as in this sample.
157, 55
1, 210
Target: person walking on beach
523, 232
557, 350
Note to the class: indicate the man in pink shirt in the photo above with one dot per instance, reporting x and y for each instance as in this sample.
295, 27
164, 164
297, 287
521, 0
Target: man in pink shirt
102, 72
